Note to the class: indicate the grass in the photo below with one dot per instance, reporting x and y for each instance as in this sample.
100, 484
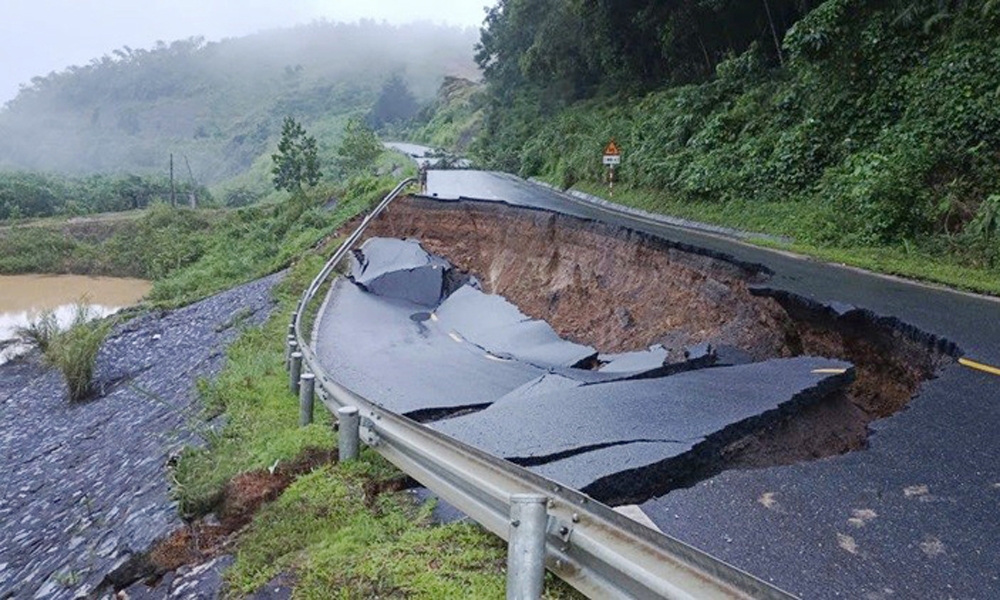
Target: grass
72, 351
800, 221
262, 416
340, 547
40, 331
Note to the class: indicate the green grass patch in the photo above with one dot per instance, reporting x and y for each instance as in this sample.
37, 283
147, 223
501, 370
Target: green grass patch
73, 350
339, 547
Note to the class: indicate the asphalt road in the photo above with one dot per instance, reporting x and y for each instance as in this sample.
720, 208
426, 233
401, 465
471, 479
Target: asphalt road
914, 515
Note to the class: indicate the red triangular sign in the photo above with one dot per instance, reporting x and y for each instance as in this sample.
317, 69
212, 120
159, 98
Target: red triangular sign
611, 149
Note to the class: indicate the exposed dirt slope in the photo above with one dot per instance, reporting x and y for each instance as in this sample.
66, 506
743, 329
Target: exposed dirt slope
620, 290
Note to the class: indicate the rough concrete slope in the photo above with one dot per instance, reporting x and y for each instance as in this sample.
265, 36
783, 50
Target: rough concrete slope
85, 487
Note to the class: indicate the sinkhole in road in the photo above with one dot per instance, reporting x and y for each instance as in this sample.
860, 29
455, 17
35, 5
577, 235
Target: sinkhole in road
619, 290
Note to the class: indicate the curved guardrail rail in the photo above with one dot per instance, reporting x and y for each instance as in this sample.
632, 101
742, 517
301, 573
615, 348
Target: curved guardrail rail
599, 552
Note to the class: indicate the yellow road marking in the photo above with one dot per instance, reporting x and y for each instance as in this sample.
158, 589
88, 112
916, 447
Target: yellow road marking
829, 371
978, 366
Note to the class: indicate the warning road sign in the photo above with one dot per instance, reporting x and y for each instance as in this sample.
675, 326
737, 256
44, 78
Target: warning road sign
611, 149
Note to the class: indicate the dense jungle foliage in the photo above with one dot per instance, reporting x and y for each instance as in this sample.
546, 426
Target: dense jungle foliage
849, 123
218, 107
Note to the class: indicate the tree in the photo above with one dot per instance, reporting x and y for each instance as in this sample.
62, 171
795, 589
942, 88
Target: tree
395, 103
296, 163
360, 147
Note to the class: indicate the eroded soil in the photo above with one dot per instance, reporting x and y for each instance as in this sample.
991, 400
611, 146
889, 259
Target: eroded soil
620, 290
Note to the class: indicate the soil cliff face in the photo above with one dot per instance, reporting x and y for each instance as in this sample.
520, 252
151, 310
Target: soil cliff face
608, 287
621, 290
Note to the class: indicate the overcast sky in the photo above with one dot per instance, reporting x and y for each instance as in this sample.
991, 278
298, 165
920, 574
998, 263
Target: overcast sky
41, 36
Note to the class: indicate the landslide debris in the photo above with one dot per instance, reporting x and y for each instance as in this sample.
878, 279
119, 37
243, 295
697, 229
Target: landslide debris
623, 291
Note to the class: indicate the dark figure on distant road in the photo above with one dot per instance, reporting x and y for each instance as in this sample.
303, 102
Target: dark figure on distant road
422, 178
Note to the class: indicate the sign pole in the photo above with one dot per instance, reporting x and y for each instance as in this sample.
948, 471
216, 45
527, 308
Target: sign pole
612, 157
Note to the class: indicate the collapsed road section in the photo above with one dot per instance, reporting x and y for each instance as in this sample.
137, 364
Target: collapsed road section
582, 351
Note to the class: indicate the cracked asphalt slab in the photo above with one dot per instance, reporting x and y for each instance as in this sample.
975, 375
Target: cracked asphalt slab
391, 352
684, 409
583, 435
400, 269
490, 322
911, 515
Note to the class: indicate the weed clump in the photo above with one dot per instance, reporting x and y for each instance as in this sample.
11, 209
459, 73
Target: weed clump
72, 350
41, 331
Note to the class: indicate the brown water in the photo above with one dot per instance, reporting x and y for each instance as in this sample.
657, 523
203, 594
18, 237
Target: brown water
23, 297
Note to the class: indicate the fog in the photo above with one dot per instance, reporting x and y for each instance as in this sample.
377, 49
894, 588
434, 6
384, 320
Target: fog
218, 105
41, 36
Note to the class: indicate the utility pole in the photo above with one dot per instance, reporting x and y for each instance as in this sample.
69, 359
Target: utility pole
774, 33
193, 195
173, 196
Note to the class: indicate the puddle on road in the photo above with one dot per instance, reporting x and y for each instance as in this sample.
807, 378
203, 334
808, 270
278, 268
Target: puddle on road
24, 297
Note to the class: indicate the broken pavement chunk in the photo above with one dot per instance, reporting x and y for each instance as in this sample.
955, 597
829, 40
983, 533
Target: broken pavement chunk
400, 269
633, 362
391, 352
594, 432
497, 326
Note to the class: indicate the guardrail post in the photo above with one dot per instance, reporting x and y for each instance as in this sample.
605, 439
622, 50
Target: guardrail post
288, 347
307, 393
295, 372
293, 347
526, 546
348, 434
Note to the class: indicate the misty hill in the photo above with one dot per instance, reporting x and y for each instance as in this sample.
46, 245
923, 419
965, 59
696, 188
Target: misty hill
220, 104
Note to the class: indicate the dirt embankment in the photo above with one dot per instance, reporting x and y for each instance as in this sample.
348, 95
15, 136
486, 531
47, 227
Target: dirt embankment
621, 290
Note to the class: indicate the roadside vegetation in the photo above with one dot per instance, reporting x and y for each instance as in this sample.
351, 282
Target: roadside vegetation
868, 132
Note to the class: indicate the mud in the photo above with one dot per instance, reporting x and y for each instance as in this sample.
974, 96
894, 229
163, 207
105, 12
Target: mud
619, 290
211, 537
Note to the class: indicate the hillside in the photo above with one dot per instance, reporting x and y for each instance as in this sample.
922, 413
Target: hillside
218, 106
861, 129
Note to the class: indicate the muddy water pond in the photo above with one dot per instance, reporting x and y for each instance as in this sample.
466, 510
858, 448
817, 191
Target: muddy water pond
24, 297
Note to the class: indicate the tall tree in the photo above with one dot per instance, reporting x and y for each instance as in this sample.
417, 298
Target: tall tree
395, 103
360, 146
296, 163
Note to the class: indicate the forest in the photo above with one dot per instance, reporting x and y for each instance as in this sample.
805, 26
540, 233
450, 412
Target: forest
217, 107
847, 123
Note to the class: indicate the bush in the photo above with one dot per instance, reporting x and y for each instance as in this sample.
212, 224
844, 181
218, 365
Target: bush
74, 351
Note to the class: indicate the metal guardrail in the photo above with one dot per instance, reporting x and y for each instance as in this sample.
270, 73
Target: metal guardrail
599, 552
